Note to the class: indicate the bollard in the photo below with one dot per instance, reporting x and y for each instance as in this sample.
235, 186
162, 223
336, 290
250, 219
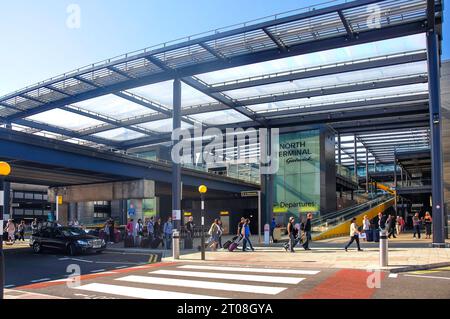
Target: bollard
176, 244
383, 248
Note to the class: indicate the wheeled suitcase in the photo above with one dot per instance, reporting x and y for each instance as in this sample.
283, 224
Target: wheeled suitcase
369, 236
229, 242
376, 236
232, 247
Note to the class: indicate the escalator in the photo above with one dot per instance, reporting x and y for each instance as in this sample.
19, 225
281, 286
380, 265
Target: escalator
337, 224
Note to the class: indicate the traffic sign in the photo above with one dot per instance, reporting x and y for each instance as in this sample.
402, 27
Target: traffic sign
249, 194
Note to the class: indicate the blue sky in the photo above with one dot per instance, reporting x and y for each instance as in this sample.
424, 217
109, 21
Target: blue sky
36, 43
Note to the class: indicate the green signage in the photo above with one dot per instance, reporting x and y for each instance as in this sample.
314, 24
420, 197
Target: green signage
297, 182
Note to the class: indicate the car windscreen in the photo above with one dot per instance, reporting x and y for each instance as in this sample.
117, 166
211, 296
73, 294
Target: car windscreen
69, 232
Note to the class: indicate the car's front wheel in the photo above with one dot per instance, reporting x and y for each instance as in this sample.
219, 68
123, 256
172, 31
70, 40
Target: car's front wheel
72, 250
37, 248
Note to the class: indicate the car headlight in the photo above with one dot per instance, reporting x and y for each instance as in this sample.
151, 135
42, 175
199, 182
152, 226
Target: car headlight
83, 243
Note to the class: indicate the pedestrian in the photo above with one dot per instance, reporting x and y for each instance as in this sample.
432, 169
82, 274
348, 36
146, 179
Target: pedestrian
138, 232
130, 231
188, 244
106, 231
240, 225
34, 226
366, 226
158, 231
214, 232
112, 228
273, 225
390, 224
151, 229
220, 233
168, 228
10, 229
291, 230
428, 222
403, 224
21, 231
382, 221
354, 235
416, 225
398, 225
307, 231
246, 235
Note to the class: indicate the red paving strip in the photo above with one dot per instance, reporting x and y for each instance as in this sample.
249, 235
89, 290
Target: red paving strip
344, 284
47, 284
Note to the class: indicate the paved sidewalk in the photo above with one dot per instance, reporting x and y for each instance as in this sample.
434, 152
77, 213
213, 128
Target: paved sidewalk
403, 252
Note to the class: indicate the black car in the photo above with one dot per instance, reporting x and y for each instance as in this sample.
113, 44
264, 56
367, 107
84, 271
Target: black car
69, 240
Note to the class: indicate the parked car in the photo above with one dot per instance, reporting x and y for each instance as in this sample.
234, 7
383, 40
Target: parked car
69, 240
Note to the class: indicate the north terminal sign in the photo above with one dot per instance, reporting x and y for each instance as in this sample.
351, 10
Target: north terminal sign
297, 182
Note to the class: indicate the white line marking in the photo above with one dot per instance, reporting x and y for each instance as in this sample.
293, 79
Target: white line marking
10, 286
203, 285
431, 277
98, 270
393, 275
272, 279
82, 260
39, 280
258, 270
66, 258
120, 267
140, 292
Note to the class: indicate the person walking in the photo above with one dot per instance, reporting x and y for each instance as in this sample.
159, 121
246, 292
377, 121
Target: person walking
366, 226
10, 229
273, 225
390, 224
307, 231
168, 229
398, 225
34, 226
188, 242
214, 232
138, 232
21, 231
129, 240
240, 225
428, 222
105, 231
354, 235
291, 230
219, 223
416, 225
246, 235
151, 229
111, 229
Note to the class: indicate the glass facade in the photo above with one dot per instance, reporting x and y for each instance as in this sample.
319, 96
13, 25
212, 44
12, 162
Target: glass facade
297, 182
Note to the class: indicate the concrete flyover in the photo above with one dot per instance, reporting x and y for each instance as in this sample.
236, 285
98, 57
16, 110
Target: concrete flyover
54, 163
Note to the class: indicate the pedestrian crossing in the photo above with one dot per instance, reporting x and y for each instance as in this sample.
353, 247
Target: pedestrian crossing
201, 282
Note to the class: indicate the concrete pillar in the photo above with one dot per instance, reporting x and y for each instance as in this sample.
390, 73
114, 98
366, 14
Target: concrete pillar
85, 212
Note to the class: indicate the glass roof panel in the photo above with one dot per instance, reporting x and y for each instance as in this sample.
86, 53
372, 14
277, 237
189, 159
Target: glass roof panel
120, 134
413, 89
332, 80
221, 117
345, 54
114, 107
65, 119
163, 93
163, 126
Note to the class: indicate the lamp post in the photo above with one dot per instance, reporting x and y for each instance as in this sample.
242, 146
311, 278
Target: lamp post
5, 170
202, 190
